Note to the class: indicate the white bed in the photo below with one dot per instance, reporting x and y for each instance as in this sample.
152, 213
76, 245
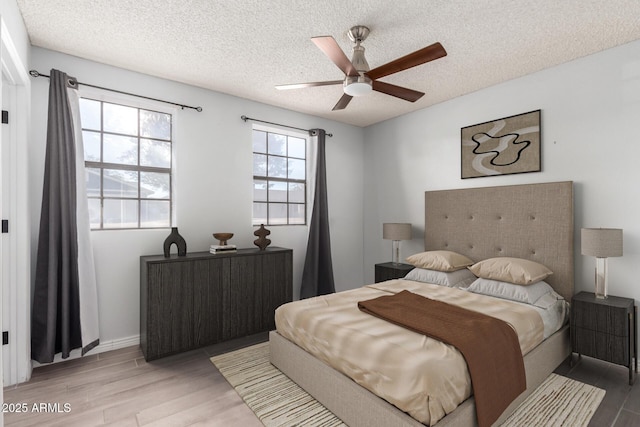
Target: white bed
529, 221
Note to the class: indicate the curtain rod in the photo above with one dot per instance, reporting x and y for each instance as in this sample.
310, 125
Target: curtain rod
35, 73
245, 118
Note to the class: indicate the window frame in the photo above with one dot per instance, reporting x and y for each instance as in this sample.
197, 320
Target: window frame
305, 181
140, 104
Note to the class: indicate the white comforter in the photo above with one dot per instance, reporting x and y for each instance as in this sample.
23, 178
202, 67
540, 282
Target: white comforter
422, 376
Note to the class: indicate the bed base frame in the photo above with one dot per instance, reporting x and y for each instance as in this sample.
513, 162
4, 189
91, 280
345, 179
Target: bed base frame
358, 407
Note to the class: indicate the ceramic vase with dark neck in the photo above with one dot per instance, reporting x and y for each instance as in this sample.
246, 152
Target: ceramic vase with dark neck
179, 241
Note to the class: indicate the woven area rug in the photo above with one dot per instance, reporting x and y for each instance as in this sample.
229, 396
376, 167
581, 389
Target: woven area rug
278, 401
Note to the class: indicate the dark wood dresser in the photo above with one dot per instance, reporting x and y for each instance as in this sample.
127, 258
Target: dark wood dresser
201, 299
605, 329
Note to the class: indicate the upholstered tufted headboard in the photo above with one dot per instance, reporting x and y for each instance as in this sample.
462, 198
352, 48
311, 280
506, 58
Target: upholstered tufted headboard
532, 221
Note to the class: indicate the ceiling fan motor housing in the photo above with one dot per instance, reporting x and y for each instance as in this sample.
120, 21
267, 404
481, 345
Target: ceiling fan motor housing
358, 85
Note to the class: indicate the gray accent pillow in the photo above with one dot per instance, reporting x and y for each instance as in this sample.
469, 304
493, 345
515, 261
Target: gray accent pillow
529, 294
451, 279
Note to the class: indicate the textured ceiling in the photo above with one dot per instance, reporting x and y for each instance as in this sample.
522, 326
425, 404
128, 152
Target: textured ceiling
246, 47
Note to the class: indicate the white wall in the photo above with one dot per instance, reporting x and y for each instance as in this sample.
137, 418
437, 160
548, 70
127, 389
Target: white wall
214, 185
590, 115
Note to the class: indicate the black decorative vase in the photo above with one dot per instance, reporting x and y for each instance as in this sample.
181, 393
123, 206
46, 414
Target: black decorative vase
176, 238
262, 242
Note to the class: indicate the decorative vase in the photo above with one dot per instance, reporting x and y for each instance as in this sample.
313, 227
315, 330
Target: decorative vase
176, 238
262, 242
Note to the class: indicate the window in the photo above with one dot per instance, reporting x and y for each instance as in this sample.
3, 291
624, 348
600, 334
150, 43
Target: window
128, 159
279, 178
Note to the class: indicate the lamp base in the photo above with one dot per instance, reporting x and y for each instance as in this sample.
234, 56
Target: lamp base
602, 285
395, 254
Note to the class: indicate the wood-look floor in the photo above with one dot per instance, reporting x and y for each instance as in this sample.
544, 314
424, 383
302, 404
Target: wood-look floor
119, 388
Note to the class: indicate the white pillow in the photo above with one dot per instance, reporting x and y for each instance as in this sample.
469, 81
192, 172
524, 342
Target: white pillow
458, 278
528, 294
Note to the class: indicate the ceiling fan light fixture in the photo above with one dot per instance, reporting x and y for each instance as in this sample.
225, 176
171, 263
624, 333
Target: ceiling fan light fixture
357, 85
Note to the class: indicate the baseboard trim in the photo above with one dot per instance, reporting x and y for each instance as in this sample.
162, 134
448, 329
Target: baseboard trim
100, 348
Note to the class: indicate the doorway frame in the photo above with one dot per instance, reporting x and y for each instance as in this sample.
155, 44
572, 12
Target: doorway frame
17, 76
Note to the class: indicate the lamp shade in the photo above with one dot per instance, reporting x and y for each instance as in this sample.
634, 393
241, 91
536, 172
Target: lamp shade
602, 242
396, 231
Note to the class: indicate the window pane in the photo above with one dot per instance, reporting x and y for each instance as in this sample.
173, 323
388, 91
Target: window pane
297, 147
296, 169
93, 182
155, 125
277, 167
259, 190
296, 214
120, 213
296, 192
277, 213
120, 119
90, 114
279, 185
277, 191
155, 153
91, 142
155, 213
129, 139
120, 149
94, 213
259, 213
155, 185
119, 183
259, 141
277, 144
260, 165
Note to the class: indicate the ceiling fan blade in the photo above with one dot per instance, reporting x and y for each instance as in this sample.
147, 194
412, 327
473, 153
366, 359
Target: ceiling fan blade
310, 84
342, 102
397, 91
329, 46
418, 57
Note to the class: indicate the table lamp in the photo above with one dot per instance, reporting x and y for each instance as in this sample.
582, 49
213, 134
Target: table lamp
601, 243
396, 232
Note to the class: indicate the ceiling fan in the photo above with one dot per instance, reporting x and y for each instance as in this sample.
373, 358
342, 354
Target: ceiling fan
359, 79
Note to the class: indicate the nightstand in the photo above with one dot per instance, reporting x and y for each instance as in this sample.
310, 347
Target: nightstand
605, 329
389, 270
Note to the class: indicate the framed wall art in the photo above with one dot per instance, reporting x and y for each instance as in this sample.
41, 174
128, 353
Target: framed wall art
501, 147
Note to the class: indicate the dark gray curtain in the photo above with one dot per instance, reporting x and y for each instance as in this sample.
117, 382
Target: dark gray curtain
317, 277
55, 316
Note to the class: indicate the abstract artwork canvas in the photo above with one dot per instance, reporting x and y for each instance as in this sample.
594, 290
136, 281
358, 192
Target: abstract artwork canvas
500, 147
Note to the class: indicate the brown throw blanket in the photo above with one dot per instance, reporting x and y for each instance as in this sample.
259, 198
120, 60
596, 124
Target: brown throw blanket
489, 345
